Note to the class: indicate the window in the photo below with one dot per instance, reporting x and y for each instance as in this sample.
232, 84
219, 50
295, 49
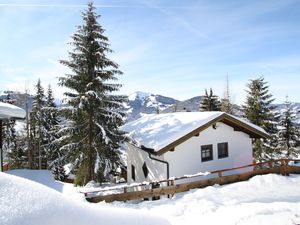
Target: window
222, 150
145, 169
206, 153
133, 172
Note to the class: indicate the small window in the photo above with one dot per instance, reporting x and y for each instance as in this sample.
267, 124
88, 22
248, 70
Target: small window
206, 153
222, 150
133, 172
145, 169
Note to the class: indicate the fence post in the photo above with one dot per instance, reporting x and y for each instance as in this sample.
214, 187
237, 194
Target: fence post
286, 162
172, 184
125, 191
284, 165
271, 164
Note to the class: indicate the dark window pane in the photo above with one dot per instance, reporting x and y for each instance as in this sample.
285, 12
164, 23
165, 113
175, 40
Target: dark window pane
222, 150
133, 172
145, 169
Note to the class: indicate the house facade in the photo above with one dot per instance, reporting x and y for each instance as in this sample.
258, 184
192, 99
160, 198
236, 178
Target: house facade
177, 144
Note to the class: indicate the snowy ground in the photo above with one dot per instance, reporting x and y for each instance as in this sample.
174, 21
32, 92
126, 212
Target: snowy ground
25, 202
269, 199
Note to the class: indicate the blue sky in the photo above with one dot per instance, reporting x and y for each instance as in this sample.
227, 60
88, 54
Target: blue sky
169, 47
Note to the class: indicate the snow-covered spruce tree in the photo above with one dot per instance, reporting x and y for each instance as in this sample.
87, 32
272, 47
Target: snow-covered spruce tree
38, 130
289, 134
258, 110
9, 135
210, 102
92, 136
10, 142
55, 158
17, 154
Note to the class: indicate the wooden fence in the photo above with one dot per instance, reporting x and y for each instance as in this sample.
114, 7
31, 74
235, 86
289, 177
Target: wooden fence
169, 187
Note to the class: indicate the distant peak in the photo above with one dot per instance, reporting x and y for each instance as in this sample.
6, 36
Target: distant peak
139, 94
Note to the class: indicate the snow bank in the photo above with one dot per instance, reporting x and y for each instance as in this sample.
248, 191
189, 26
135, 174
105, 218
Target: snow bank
269, 199
11, 111
46, 178
24, 202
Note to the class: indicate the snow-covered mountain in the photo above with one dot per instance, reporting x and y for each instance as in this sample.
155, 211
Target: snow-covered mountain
189, 105
146, 103
140, 103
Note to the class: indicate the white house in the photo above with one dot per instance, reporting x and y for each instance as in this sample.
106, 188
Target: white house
182, 143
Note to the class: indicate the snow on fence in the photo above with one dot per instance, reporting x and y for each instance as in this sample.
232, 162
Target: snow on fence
168, 187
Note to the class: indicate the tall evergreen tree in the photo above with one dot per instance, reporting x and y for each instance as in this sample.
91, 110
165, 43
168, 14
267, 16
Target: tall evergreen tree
55, 157
92, 136
17, 154
9, 140
51, 117
289, 134
37, 126
258, 109
210, 102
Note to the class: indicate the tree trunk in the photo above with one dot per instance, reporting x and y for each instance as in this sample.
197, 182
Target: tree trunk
90, 150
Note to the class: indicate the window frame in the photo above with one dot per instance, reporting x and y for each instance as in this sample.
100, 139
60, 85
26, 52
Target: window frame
206, 148
223, 152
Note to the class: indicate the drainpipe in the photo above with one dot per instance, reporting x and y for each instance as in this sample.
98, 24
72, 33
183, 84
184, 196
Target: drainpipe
162, 161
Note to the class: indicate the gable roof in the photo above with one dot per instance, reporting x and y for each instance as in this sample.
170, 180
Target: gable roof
9, 111
163, 132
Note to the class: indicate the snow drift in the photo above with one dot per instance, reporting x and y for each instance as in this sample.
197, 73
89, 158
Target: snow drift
24, 202
268, 200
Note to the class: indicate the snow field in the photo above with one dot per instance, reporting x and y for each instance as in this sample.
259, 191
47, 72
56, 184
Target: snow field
24, 202
269, 199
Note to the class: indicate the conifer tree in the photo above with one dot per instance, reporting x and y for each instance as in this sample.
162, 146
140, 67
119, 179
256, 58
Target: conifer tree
55, 157
91, 137
14, 145
258, 109
17, 154
51, 117
9, 141
210, 102
289, 134
37, 126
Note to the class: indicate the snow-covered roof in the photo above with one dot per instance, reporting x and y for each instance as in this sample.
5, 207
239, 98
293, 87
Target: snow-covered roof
8, 111
158, 131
